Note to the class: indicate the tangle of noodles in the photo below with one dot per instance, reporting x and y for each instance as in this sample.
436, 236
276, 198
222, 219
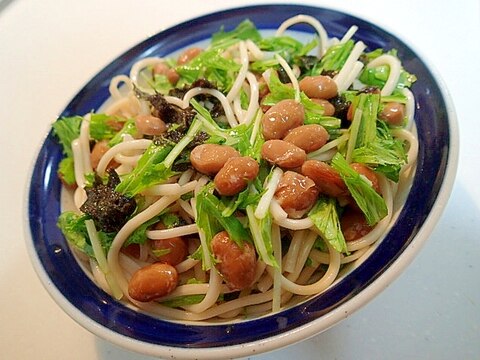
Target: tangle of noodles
294, 256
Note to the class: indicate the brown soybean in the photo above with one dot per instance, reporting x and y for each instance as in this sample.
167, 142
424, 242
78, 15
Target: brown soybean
326, 178
393, 113
152, 282
282, 117
328, 108
150, 125
283, 154
354, 225
368, 173
320, 87
176, 247
170, 73
210, 158
234, 176
296, 193
308, 137
236, 264
188, 55
99, 149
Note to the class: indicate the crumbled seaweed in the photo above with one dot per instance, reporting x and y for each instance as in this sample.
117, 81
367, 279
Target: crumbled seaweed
306, 63
330, 73
169, 113
283, 76
215, 108
370, 90
203, 83
341, 107
199, 139
108, 208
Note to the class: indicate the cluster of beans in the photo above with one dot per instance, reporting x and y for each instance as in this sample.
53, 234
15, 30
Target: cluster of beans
288, 141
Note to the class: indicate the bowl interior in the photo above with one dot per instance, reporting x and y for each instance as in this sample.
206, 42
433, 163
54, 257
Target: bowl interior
61, 271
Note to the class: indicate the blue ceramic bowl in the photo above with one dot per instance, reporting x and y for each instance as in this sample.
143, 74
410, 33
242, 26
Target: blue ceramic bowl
101, 314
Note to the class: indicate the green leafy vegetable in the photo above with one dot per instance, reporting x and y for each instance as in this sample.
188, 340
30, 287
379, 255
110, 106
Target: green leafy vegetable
139, 235
214, 207
184, 300
67, 129
211, 65
238, 137
377, 76
128, 128
74, 229
367, 199
385, 154
371, 142
239, 201
66, 170
102, 126
245, 30
325, 218
262, 236
149, 171
155, 165
334, 58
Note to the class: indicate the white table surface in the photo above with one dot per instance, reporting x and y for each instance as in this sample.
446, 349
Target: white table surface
49, 49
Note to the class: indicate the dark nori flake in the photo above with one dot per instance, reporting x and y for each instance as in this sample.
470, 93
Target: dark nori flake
108, 208
370, 90
341, 107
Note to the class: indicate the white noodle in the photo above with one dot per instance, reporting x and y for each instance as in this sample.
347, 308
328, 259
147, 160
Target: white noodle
271, 186
119, 148
343, 75
79, 197
114, 87
185, 205
352, 76
393, 76
78, 163
85, 144
186, 265
320, 285
291, 76
173, 232
232, 121
409, 108
127, 160
255, 52
253, 101
311, 21
302, 256
185, 177
237, 84
211, 297
137, 69
348, 35
237, 109
277, 277
413, 145
170, 189
293, 250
